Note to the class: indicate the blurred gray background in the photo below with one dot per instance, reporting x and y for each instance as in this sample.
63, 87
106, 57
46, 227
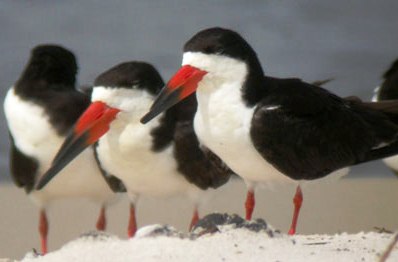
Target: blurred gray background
352, 41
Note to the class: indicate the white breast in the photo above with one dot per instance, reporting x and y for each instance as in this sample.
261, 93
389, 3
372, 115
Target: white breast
125, 151
392, 162
222, 123
35, 137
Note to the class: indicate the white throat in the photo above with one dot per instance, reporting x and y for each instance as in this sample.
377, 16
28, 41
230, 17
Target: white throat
219, 92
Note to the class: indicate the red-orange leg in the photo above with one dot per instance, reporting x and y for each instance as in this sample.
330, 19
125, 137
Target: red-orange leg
43, 230
101, 222
195, 218
249, 204
297, 201
132, 227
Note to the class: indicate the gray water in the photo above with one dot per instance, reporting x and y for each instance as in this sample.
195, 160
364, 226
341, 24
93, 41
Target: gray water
352, 41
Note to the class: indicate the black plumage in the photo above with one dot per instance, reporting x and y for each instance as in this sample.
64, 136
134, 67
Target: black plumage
313, 132
23, 168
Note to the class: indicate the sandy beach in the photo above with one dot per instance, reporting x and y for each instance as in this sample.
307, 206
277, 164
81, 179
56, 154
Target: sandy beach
353, 43
348, 205
230, 242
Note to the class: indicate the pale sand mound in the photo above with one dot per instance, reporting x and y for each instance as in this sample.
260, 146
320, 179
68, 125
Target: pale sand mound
230, 240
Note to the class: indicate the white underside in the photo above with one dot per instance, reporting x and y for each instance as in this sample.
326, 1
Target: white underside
392, 162
125, 151
223, 122
35, 137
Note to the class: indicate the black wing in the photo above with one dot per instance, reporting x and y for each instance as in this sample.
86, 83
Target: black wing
388, 107
312, 132
23, 168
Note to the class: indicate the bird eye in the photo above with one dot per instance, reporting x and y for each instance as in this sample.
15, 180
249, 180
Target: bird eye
209, 50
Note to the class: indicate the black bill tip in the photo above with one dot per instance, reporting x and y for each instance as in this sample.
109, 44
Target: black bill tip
163, 101
148, 116
44, 180
69, 151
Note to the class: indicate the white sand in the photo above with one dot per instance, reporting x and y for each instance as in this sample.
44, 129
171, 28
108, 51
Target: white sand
229, 245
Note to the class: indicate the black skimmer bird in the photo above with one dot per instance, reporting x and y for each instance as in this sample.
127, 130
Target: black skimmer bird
388, 90
159, 159
269, 129
40, 109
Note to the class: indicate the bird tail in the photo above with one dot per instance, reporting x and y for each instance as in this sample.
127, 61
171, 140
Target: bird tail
387, 107
390, 109
379, 153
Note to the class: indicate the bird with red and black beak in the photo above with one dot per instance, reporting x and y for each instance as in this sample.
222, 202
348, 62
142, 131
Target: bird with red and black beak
161, 159
269, 129
40, 109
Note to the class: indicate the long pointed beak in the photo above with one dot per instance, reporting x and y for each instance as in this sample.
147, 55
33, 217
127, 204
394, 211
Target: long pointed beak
181, 85
90, 127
